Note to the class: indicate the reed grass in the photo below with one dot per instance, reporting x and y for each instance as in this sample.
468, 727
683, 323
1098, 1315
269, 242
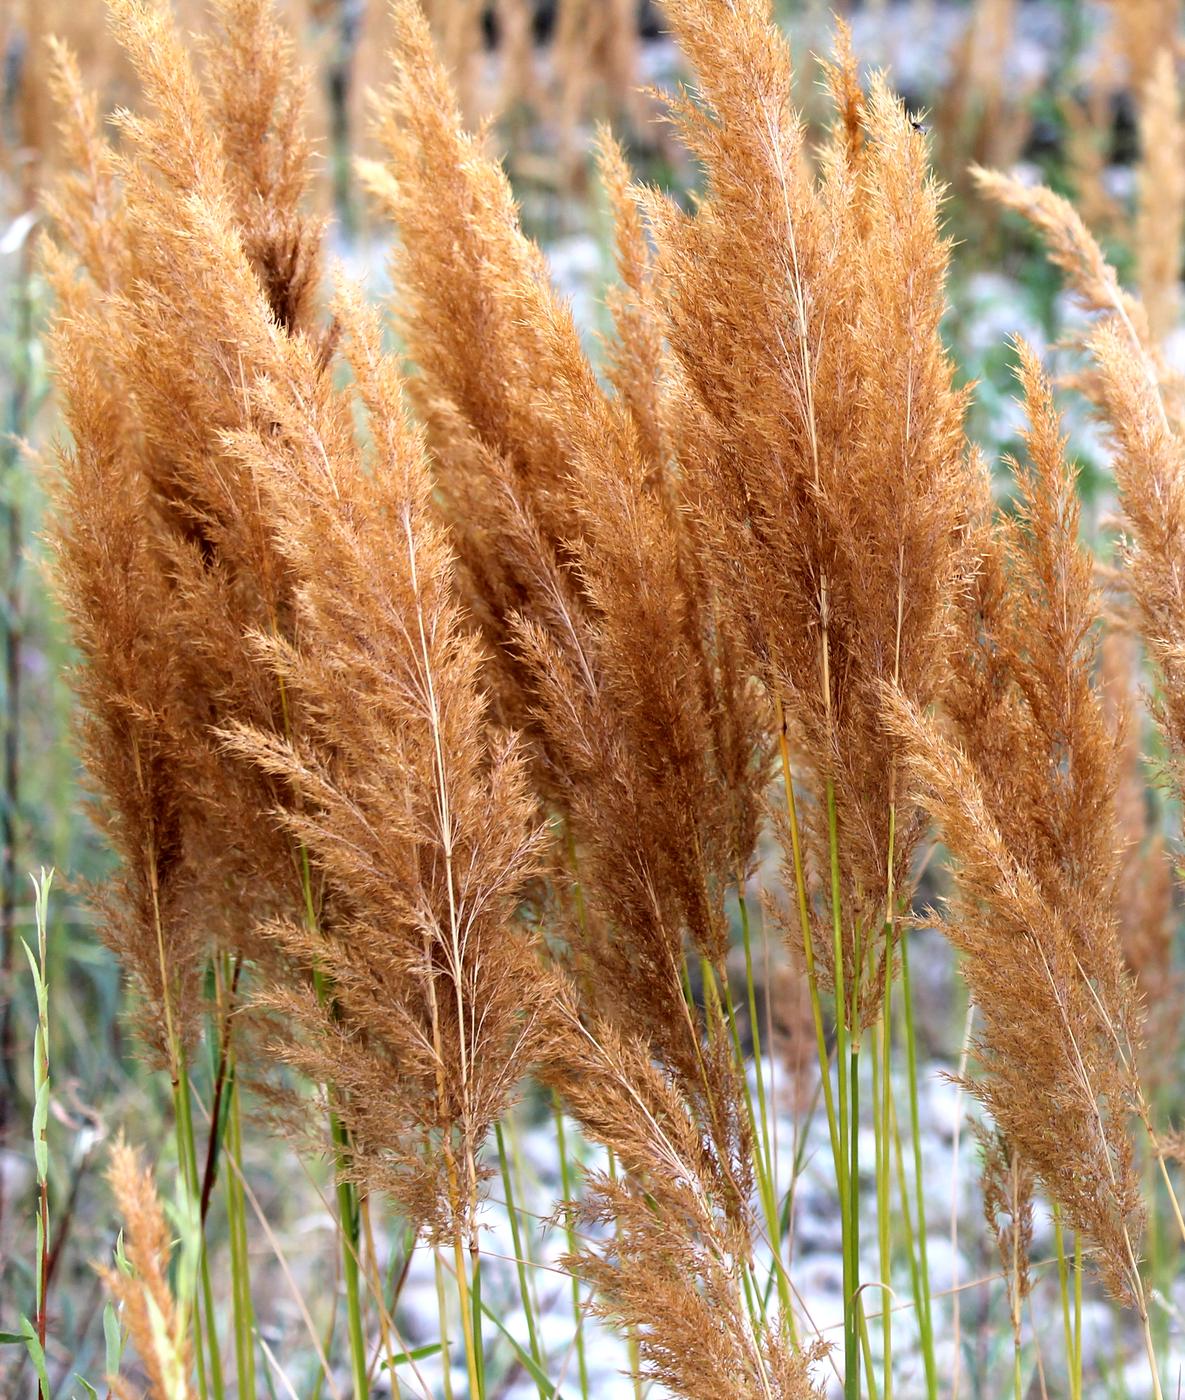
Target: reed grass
438, 710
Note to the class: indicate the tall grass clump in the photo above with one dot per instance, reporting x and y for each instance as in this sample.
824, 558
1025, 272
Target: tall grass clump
1025, 792
441, 710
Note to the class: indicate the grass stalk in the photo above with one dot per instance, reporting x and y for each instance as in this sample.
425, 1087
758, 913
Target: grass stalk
442, 1313
349, 1223
519, 1256
837, 1115
848, 1104
385, 1349
880, 1123
1078, 1313
520, 1177
476, 1310
924, 1300
754, 1027
240, 1259
577, 1310
1155, 1247
1014, 1291
466, 1304
41, 1092
881, 1114
632, 1349
907, 1224
210, 1311
812, 975
19, 404
1168, 1184
759, 1132
187, 1163
1063, 1279
349, 1218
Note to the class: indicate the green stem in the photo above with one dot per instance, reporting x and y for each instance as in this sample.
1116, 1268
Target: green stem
751, 990
907, 1217
808, 947
519, 1257
925, 1309
442, 1311
1064, 1287
349, 1222
1157, 1255
881, 1115
476, 1307
187, 1153
1077, 1313
881, 1155
577, 1310
349, 1217
847, 1125
236, 1210
759, 1133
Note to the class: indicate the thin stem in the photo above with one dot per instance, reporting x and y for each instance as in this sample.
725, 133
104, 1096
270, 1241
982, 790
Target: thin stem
632, 1336
1063, 1280
187, 1160
881, 1119
17, 426
1014, 1289
466, 1305
765, 1185
954, 1200
1164, 1171
349, 1223
848, 1099
754, 1027
519, 1256
577, 1310
881, 1140
442, 1312
1077, 1313
222, 1071
925, 1306
1150, 1352
240, 1260
41, 1094
804, 919
907, 1223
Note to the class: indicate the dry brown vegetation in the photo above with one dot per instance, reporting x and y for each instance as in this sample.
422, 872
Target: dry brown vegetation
436, 705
